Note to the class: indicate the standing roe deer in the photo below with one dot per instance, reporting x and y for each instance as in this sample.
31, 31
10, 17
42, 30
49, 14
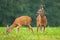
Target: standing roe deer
41, 19
23, 20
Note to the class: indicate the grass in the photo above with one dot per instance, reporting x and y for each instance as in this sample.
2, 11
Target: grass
51, 33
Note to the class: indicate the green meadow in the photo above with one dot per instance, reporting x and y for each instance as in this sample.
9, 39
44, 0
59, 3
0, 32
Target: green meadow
51, 33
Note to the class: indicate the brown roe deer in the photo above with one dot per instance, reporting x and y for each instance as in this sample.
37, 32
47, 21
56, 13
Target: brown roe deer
23, 20
41, 19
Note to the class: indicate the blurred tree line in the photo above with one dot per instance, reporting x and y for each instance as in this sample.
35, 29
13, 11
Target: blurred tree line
11, 9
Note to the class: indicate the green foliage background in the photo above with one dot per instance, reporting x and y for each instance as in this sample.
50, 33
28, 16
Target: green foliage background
10, 9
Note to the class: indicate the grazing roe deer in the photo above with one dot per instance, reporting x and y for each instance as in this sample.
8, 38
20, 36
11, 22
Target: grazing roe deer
41, 19
23, 20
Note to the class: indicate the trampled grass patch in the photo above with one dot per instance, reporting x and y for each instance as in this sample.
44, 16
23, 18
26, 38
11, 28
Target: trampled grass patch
51, 33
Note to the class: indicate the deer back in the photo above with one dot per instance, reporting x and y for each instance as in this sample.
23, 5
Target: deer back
23, 20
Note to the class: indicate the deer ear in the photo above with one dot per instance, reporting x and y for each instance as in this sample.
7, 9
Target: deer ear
7, 26
7, 29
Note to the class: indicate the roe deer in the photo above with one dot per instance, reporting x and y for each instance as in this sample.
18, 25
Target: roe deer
23, 20
41, 19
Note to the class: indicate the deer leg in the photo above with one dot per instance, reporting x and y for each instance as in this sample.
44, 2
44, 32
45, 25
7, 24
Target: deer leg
44, 28
41, 28
37, 27
30, 27
17, 29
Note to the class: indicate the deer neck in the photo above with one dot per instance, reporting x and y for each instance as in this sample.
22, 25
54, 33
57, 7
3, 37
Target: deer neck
12, 26
41, 16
